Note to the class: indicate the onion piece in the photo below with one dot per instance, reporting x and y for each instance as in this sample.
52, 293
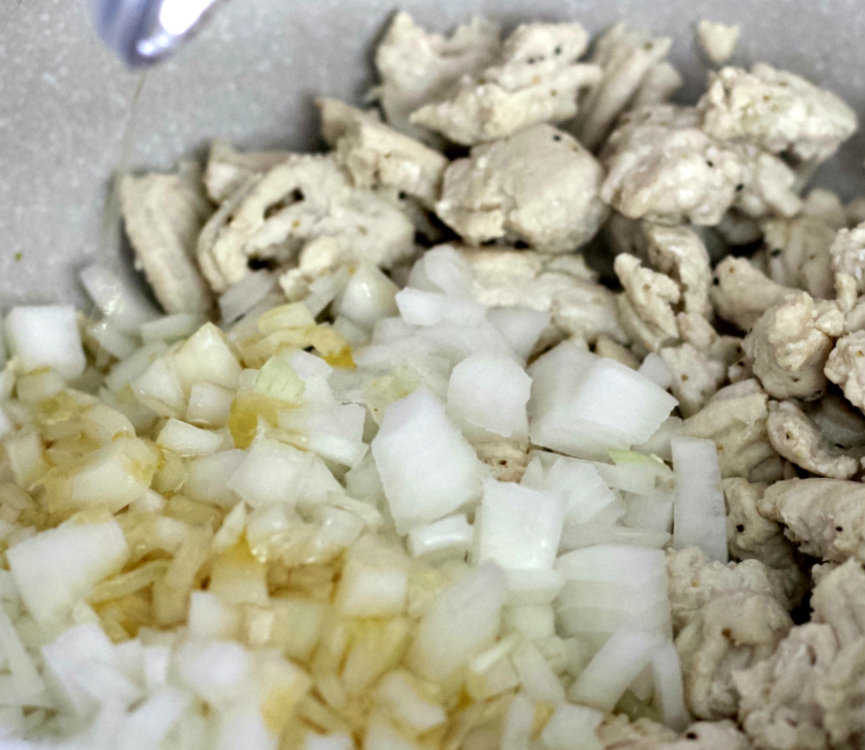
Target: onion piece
374, 580
187, 440
245, 294
449, 536
699, 510
124, 305
520, 328
519, 721
270, 473
171, 327
397, 693
539, 681
657, 370
533, 621
46, 336
110, 338
573, 728
368, 297
669, 691
420, 308
526, 587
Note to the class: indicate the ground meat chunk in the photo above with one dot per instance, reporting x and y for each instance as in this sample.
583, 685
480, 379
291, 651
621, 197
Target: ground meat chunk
535, 79
646, 306
417, 67
846, 367
825, 517
699, 332
634, 68
696, 376
826, 205
741, 293
617, 732
848, 258
770, 187
163, 214
562, 285
798, 254
227, 170
735, 418
718, 40
694, 581
842, 424
790, 344
730, 632
800, 441
539, 186
777, 111
680, 253
810, 693
663, 168
303, 212
507, 458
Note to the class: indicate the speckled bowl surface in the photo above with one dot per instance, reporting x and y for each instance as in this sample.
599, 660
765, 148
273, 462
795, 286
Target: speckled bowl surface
69, 116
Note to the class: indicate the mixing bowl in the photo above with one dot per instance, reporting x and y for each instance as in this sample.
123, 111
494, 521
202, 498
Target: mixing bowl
70, 114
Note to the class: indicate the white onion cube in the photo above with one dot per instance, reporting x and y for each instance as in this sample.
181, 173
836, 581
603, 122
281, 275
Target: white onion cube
449, 536
374, 580
427, 467
207, 477
520, 328
188, 440
46, 336
368, 297
271, 473
573, 728
580, 487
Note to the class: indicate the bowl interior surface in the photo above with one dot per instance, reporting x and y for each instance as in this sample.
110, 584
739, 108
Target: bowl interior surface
71, 115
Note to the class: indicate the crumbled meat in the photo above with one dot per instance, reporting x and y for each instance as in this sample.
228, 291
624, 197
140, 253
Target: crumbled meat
842, 424
539, 186
825, 517
646, 306
826, 205
376, 156
790, 343
633, 65
227, 169
417, 67
846, 367
742, 293
809, 693
680, 253
737, 229
735, 418
536, 79
750, 536
776, 110
798, 254
770, 187
663, 168
696, 376
718, 40
561, 285
302, 208
699, 332
337, 118
694, 581
507, 458
848, 256
163, 214
617, 732
800, 441
730, 632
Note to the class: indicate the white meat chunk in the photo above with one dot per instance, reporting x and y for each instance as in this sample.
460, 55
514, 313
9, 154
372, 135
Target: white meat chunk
337, 118
846, 367
809, 694
750, 536
646, 306
539, 186
163, 215
800, 441
536, 79
770, 187
377, 156
680, 253
848, 257
302, 213
617, 732
417, 67
777, 111
799, 254
741, 293
842, 424
731, 632
228, 170
694, 581
825, 517
664, 168
717, 40
825, 204
699, 333
635, 72
735, 418
697, 376
561, 285
506, 457
790, 344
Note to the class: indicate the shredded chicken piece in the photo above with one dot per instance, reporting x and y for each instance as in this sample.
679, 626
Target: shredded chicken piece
535, 79
770, 188
561, 285
302, 212
718, 40
646, 306
825, 517
735, 418
417, 67
680, 253
634, 68
664, 168
228, 169
776, 110
696, 376
539, 186
846, 367
742, 293
730, 632
790, 344
799, 254
799, 440
163, 214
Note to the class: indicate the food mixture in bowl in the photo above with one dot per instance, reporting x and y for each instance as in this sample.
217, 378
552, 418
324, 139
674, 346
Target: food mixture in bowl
529, 416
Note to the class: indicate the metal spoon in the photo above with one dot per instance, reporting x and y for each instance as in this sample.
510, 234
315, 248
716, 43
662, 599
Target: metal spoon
143, 32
